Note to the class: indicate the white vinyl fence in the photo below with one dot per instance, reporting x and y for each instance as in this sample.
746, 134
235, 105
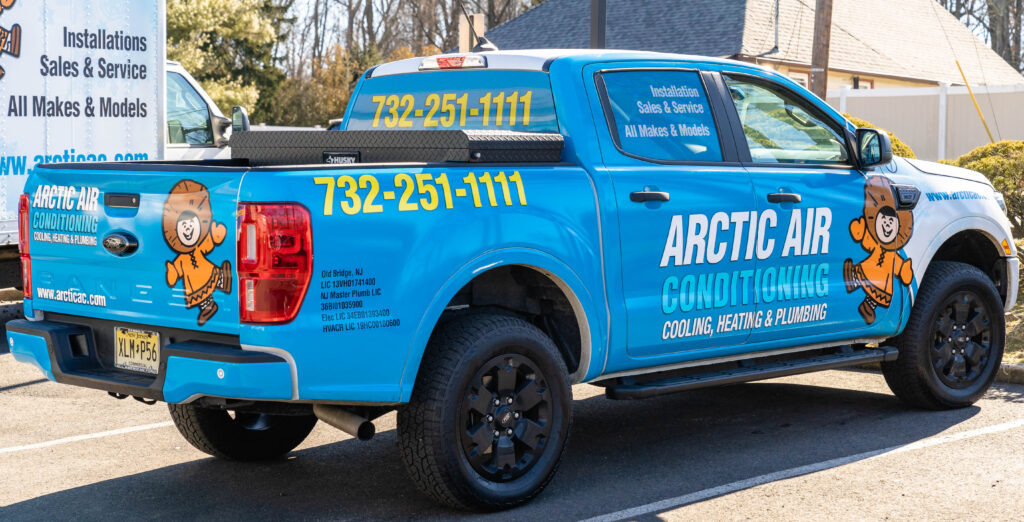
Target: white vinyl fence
938, 122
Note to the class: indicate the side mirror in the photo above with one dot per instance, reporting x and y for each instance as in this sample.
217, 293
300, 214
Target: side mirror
239, 119
220, 130
873, 148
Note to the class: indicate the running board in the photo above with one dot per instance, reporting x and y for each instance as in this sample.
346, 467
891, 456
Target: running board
745, 371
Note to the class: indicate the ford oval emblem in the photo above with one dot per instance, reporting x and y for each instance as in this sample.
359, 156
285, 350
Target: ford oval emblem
120, 244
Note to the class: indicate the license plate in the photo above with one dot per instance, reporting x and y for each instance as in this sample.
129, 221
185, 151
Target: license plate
137, 350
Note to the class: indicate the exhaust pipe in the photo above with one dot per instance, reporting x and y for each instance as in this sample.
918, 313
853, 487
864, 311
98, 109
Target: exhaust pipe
344, 420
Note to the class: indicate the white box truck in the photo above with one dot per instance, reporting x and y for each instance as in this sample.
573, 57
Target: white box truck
89, 80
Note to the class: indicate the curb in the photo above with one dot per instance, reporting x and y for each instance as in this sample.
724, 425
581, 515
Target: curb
1011, 373
1008, 373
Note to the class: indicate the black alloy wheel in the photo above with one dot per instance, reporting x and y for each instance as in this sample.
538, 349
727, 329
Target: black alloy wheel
490, 413
963, 340
506, 418
952, 345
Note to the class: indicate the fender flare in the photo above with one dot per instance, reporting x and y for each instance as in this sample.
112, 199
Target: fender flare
988, 227
985, 225
592, 347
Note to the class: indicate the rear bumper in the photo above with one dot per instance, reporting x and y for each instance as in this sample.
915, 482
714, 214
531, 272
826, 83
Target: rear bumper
75, 354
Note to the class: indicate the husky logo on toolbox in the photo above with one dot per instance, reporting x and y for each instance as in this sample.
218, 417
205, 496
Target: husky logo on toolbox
190, 230
882, 231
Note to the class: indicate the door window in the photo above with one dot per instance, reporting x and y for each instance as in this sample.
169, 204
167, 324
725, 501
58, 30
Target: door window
660, 115
780, 127
188, 117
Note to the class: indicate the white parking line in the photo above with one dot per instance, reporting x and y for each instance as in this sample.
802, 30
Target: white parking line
698, 496
77, 438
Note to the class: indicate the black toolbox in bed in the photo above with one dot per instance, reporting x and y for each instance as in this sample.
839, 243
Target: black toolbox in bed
267, 148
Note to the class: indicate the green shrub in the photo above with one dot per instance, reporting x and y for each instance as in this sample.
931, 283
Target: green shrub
1003, 148
1003, 164
1020, 288
899, 148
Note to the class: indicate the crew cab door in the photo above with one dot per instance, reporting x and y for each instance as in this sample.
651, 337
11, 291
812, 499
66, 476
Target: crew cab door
802, 165
684, 210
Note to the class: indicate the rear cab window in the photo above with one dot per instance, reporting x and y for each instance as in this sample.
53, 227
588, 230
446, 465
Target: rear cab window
660, 115
483, 99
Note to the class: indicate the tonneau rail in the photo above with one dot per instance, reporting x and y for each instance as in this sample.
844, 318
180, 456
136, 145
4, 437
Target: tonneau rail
268, 148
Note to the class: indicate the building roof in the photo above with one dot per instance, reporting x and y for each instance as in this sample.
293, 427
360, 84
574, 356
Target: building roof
642, 25
911, 39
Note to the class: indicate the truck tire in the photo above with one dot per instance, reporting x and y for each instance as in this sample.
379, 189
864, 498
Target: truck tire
950, 351
489, 416
244, 437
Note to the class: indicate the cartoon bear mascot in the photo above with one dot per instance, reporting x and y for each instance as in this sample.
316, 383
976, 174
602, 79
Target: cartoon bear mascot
882, 231
190, 230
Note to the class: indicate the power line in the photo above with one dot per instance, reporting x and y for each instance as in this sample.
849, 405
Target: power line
977, 52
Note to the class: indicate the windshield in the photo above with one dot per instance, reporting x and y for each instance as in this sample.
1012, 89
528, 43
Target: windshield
466, 99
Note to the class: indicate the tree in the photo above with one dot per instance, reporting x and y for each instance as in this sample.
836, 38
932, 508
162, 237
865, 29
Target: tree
300, 60
436, 22
1003, 25
228, 46
999, 22
314, 97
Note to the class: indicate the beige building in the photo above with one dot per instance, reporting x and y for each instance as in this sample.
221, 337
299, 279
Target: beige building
874, 43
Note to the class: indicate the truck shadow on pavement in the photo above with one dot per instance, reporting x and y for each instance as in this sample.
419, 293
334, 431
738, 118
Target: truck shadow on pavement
621, 454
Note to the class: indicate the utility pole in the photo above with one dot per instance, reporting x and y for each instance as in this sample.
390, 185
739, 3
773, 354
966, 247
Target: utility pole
819, 52
471, 27
598, 21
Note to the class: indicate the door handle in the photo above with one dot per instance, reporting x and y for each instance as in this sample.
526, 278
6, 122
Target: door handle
783, 197
116, 200
642, 196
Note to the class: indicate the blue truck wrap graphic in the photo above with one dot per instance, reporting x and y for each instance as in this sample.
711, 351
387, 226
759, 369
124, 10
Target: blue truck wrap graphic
715, 271
192, 233
881, 231
69, 222
486, 230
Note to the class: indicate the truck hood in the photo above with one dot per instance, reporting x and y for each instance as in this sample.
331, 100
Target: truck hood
940, 169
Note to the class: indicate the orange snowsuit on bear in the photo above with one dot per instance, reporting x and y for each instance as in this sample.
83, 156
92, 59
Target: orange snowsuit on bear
875, 274
197, 273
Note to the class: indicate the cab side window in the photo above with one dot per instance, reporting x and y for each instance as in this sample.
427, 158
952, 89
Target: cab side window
660, 115
188, 117
780, 127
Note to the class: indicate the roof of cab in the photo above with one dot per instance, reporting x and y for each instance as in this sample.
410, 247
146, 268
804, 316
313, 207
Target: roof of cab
540, 59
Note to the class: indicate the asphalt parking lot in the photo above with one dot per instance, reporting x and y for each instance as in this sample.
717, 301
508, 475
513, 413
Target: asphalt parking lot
828, 445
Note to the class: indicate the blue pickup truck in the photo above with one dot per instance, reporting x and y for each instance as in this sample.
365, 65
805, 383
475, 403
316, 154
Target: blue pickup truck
488, 229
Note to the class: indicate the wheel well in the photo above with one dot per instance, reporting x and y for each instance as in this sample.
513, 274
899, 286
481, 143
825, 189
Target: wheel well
977, 249
530, 294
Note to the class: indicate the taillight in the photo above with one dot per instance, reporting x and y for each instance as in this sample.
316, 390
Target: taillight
23, 237
275, 260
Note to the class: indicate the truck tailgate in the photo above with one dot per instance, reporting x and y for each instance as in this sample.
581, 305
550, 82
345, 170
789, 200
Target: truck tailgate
139, 243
